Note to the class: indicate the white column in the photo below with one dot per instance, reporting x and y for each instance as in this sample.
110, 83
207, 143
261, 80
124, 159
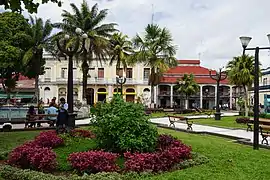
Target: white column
201, 96
110, 91
231, 99
155, 94
171, 96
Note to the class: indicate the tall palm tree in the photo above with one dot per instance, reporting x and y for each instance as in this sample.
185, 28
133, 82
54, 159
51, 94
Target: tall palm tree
155, 49
121, 50
188, 86
33, 58
90, 20
241, 73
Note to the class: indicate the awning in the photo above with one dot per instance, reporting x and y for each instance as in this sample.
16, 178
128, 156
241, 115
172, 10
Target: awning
20, 96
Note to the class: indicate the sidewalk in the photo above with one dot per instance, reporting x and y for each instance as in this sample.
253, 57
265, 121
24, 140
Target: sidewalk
242, 135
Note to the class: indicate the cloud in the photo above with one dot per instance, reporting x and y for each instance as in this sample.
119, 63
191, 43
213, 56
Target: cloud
210, 28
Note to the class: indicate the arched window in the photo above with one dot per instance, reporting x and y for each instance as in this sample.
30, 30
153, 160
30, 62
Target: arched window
146, 90
47, 89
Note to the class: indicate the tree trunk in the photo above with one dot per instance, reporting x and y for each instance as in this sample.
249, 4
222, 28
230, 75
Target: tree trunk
85, 69
37, 88
246, 101
152, 95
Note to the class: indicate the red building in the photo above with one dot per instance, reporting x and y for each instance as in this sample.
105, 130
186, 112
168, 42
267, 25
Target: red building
205, 98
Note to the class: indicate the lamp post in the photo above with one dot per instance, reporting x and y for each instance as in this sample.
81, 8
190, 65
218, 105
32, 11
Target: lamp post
245, 41
121, 81
219, 76
70, 52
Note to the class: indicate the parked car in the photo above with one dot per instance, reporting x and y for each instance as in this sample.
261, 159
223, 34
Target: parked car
6, 127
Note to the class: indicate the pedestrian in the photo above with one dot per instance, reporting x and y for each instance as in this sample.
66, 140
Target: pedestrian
62, 118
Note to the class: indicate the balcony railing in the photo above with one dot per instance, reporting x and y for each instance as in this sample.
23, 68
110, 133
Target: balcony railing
47, 79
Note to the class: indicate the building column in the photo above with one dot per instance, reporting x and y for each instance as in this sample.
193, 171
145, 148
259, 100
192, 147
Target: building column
155, 94
171, 97
231, 99
110, 94
201, 96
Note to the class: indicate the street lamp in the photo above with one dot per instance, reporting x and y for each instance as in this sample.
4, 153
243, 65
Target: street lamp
70, 52
245, 41
121, 80
219, 76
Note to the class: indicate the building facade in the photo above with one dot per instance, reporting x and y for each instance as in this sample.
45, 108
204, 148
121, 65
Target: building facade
102, 84
205, 98
101, 81
264, 87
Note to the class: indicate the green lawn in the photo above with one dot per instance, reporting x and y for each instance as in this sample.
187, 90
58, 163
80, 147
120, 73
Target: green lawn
228, 122
228, 160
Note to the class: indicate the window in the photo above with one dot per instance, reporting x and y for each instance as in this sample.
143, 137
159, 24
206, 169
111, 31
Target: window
119, 72
129, 72
146, 73
100, 72
47, 72
264, 81
64, 73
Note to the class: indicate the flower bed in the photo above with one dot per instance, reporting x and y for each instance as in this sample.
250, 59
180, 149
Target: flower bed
170, 152
39, 155
242, 120
94, 161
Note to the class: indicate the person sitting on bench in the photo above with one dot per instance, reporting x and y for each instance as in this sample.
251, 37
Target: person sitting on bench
30, 117
52, 110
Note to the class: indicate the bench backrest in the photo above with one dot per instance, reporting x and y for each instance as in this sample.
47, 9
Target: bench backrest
181, 118
264, 128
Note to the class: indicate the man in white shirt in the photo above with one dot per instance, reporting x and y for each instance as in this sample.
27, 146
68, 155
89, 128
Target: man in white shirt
62, 118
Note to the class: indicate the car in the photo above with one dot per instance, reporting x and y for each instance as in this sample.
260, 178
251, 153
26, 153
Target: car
6, 127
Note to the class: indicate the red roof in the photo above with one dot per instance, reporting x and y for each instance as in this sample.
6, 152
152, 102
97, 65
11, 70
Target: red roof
201, 73
188, 61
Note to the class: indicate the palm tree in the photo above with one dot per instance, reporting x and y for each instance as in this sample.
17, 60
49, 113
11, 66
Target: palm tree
188, 86
33, 58
155, 49
91, 23
241, 73
121, 50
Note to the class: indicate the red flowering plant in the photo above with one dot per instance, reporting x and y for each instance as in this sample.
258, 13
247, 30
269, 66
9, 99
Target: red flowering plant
49, 139
170, 152
31, 155
82, 133
93, 161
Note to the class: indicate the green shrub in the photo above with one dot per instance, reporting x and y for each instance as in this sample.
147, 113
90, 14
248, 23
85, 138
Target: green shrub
12, 173
122, 126
4, 155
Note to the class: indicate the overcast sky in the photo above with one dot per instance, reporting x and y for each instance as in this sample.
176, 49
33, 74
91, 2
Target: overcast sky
205, 29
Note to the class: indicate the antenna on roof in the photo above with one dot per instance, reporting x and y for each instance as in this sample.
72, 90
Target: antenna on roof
153, 14
199, 54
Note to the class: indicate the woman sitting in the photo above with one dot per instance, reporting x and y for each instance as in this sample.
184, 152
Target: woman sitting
30, 117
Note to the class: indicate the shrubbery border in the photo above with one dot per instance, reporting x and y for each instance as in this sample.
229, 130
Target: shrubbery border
12, 173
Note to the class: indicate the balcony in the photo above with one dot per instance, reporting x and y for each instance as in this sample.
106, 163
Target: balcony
97, 81
47, 79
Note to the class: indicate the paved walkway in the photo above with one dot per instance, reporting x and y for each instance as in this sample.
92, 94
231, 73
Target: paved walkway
225, 113
236, 133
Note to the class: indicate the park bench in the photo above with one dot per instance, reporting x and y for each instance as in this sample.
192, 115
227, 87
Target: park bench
33, 119
250, 123
265, 133
174, 119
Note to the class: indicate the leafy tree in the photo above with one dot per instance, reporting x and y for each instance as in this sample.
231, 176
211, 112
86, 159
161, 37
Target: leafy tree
241, 73
188, 86
90, 20
155, 49
33, 60
15, 41
121, 50
30, 5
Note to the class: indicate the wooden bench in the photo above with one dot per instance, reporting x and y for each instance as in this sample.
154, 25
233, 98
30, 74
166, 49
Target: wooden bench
265, 133
174, 119
250, 123
33, 119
